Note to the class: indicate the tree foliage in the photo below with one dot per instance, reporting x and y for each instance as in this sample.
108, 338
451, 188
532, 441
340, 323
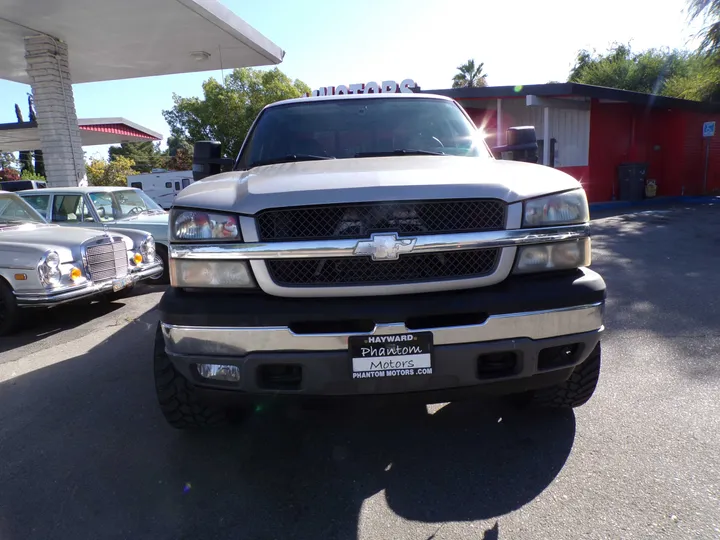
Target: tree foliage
8, 167
709, 12
145, 155
665, 72
470, 76
110, 173
28, 175
225, 113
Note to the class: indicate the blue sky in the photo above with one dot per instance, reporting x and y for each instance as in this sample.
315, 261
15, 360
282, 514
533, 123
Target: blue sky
331, 43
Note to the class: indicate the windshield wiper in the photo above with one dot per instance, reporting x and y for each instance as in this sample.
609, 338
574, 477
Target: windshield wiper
401, 152
288, 159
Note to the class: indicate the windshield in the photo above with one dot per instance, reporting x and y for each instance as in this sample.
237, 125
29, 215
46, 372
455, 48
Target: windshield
15, 211
112, 205
340, 129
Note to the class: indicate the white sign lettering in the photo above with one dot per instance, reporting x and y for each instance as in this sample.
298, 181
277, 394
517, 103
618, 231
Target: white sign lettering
386, 87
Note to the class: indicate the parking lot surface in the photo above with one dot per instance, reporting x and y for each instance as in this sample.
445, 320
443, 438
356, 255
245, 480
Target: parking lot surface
85, 453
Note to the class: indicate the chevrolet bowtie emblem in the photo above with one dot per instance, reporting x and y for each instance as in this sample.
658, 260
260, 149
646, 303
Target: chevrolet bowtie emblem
384, 247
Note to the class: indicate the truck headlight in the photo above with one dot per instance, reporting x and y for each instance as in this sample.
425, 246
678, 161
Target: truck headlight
559, 209
198, 225
213, 274
49, 269
147, 248
559, 256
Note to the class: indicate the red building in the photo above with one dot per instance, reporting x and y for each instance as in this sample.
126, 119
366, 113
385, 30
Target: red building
592, 130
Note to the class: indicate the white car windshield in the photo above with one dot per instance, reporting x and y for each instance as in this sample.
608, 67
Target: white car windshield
14, 211
113, 205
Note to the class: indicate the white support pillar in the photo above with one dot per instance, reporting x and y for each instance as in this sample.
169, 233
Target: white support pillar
546, 136
49, 72
500, 127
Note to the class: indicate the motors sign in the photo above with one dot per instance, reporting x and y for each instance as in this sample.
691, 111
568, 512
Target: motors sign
407, 86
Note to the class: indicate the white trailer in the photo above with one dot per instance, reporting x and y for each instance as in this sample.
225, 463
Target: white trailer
161, 186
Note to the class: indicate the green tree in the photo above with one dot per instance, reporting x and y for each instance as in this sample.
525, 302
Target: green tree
25, 157
146, 155
709, 12
95, 171
470, 76
112, 173
665, 72
27, 175
225, 113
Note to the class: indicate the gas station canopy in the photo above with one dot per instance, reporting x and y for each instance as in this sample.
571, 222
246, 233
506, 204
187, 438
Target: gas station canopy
17, 137
109, 40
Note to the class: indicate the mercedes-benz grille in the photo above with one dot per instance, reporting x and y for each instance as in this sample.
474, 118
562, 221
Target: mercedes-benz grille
107, 260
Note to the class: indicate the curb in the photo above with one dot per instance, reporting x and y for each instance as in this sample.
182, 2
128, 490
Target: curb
613, 205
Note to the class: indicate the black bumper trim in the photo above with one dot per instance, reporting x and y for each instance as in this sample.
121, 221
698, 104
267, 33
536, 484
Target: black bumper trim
514, 295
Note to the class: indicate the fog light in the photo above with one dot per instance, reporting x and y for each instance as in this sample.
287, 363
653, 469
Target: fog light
137, 258
75, 273
219, 372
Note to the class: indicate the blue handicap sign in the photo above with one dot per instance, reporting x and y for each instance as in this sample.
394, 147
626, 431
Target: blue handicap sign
709, 129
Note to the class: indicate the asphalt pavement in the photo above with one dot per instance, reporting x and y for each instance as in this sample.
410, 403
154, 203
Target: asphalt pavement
85, 453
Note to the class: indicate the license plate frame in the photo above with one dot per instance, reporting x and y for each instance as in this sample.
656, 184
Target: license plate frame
393, 355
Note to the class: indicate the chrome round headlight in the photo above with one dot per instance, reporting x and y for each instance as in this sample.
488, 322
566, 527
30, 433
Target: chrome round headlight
148, 249
49, 269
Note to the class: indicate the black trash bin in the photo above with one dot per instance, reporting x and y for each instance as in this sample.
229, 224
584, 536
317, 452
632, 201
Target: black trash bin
631, 178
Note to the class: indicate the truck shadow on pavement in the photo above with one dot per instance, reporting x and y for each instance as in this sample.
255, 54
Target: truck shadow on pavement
86, 454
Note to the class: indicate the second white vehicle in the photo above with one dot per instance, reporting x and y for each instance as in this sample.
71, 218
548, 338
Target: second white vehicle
110, 208
161, 186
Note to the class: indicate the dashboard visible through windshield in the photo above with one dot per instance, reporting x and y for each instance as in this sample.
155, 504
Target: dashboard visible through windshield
355, 128
114, 205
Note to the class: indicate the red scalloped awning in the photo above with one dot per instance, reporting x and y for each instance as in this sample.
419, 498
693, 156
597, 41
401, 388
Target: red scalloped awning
119, 129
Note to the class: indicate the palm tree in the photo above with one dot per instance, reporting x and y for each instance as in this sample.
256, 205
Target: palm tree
469, 76
709, 12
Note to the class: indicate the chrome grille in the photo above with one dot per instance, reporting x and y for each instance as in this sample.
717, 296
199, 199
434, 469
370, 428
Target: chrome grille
107, 260
348, 271
360, 220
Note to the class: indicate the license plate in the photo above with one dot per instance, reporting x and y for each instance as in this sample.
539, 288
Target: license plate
119, 284
397, 355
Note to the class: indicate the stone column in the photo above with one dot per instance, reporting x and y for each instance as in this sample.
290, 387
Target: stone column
49, 72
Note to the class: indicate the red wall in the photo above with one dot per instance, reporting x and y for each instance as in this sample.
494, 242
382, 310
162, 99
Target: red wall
669, 141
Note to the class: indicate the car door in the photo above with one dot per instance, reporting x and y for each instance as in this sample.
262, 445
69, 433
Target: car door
71, 209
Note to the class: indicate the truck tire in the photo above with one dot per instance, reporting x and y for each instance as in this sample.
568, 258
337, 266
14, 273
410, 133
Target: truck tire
178, 402
576, 391
9, 310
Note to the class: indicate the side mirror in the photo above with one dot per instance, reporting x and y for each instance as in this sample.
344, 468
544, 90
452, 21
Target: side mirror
207, 160
521, 145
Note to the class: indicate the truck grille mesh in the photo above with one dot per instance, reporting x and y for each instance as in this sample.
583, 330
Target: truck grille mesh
107, 261
360, 220
346, 271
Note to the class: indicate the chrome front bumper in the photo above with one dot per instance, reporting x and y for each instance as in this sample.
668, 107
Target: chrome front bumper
88, 289
535, 325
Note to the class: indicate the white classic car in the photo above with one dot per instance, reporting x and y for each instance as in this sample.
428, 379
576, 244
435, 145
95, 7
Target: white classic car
112, 208
43, 265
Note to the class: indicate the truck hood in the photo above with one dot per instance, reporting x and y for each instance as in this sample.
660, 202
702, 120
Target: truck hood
373, 179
